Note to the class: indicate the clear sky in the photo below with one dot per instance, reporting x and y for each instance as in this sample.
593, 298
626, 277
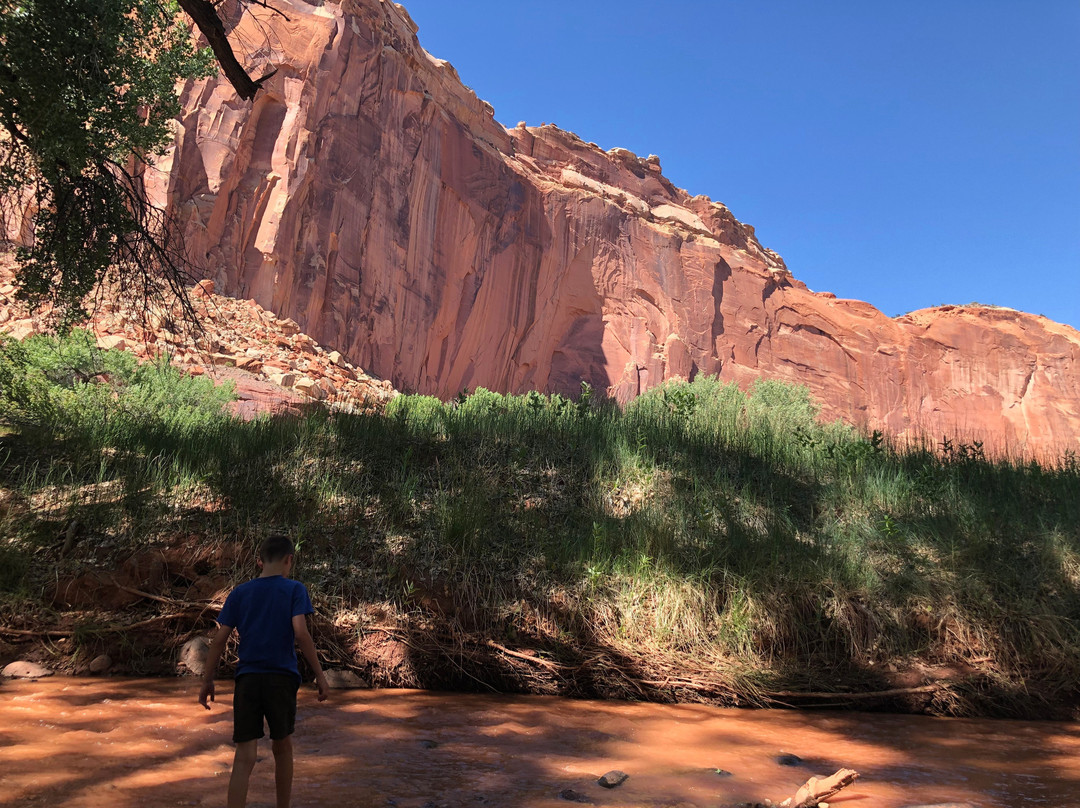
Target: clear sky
906, 154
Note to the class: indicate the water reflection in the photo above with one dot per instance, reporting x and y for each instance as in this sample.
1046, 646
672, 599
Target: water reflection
118, 743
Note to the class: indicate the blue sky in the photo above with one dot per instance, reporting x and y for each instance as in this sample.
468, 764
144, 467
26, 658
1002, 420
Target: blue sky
906, 154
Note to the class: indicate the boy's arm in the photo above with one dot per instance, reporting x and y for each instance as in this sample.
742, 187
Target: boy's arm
307, 648
213, 656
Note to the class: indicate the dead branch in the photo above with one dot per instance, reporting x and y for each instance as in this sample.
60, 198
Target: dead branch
186, 608
816, 790
18, 632
268, 7
160, 599
545, 663
151, 621
899, 691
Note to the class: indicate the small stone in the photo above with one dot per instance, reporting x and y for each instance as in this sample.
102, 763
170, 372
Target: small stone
283, 379
24, 669
789, 760
427, 743
20, 330
100, 663
613, 779
193, 655
309, 388
110, 342
723, 773
203, 288
334, 357
573, 796
345, 680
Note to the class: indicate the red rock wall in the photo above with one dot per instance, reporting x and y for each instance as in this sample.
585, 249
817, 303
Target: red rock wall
370, 196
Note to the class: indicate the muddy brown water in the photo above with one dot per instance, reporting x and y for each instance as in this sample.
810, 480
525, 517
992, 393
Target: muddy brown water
114, 743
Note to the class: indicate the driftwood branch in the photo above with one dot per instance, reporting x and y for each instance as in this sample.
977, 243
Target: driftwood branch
187, 604
186, 609
21, 632
544, 663
820, 790
875, 694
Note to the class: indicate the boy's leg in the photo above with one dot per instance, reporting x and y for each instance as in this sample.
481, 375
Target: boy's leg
247, 729
280, 707
283, 769
243, 763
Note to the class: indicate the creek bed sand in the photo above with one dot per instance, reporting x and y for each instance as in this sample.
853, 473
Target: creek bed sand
115, 743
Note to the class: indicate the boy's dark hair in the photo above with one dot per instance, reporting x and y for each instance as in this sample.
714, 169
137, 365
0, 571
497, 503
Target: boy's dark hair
275, 547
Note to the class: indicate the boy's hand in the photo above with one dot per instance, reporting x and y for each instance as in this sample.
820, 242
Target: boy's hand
323, 685
208, 690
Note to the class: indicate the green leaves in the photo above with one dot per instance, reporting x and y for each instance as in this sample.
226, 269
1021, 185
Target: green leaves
92, 80
87, 91
70, 389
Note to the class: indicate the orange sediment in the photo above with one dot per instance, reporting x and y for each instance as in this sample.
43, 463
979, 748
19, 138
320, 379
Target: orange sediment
120, 743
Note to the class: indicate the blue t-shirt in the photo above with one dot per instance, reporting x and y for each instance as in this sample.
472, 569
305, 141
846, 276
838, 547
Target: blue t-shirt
262, 610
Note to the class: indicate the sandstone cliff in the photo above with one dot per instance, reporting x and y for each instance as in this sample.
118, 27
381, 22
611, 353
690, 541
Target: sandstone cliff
370, 196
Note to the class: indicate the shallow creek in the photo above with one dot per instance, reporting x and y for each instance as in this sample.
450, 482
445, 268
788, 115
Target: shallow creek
91, 743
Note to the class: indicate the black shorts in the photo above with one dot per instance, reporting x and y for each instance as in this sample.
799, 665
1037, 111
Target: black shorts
259, 695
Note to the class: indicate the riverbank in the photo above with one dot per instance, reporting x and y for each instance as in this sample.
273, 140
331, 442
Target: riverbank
701, 545
124, 743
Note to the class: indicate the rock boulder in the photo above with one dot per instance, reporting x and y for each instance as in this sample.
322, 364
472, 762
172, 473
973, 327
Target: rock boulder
24, 669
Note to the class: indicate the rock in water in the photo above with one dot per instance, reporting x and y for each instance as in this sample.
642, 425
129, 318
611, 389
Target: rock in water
100, 663
613, 779
24, 669
193, 655
345, 680
570, 795
789, 760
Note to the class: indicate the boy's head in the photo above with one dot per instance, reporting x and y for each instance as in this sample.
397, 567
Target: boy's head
276, 547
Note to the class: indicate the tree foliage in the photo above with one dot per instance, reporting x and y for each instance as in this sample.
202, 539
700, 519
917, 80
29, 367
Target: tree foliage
87, 92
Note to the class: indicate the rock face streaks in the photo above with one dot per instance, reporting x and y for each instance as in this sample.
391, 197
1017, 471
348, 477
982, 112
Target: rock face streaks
369, 195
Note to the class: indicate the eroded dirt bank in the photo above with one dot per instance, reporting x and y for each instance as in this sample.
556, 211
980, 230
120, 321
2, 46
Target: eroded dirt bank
153, 614
85, 743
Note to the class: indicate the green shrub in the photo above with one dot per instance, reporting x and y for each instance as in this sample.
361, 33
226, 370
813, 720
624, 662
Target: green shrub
67, 388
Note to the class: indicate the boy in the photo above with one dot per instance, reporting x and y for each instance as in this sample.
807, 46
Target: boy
270, 612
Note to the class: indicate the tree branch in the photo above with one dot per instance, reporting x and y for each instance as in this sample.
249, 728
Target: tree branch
816, 791
205, 16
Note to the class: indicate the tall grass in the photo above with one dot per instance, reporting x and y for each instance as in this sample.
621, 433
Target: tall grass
704, 525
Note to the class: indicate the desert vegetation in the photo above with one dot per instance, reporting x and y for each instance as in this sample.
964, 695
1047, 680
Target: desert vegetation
701, 543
